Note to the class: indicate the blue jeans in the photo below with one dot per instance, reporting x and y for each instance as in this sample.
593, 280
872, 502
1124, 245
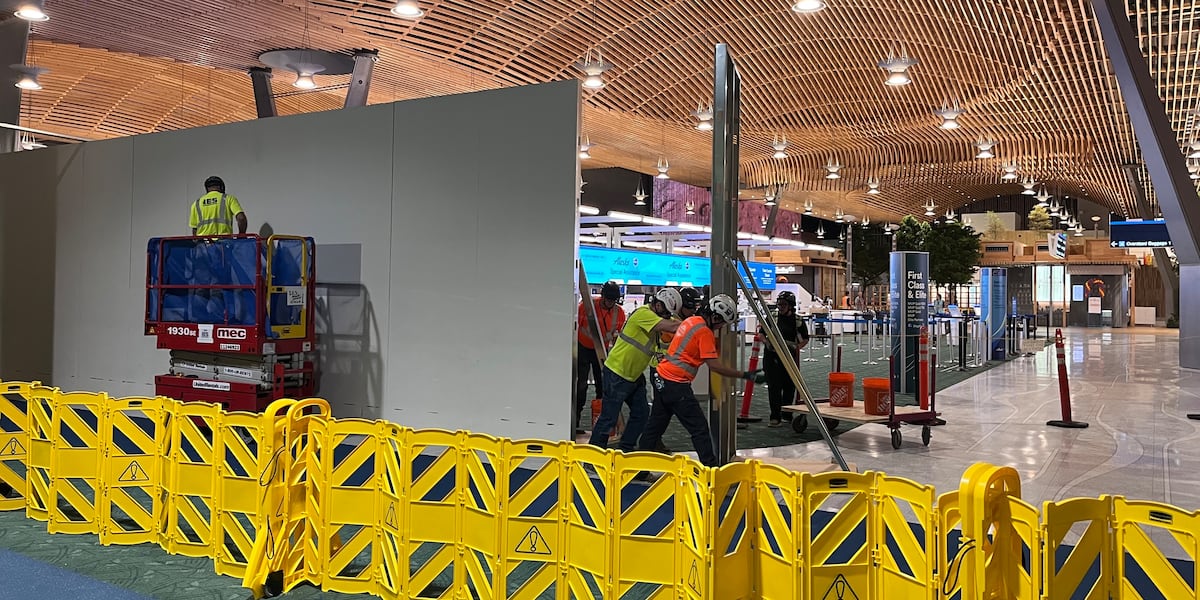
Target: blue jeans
618, 391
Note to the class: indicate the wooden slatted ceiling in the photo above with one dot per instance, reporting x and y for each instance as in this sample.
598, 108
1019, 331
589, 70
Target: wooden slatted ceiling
1031, 74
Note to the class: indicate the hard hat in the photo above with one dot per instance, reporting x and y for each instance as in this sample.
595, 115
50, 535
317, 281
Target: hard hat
691, 297
610, 291
788, 297
215, 182
723, 306
670, 298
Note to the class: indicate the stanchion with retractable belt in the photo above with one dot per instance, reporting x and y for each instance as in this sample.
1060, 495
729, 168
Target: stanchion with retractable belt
1064, 387
748, 390
962, 344
923, 368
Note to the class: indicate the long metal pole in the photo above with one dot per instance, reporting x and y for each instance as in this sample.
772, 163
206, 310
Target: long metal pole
758, 304
723, 409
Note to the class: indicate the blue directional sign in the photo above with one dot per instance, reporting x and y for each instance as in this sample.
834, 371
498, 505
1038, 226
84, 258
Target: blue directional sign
633, 267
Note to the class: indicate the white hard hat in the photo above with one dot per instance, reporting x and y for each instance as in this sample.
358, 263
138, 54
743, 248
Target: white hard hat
671, 299
723, 306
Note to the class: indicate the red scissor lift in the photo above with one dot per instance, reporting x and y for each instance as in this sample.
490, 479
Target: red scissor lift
237, 314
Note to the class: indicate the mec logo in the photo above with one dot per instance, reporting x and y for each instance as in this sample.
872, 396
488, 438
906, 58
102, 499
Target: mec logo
229, 333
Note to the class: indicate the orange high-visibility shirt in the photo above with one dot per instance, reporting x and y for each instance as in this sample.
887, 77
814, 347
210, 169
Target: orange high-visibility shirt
610, 321
693, 344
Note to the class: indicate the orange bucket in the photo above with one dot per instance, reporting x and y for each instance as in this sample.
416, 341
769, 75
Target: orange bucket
841, 389
877, 396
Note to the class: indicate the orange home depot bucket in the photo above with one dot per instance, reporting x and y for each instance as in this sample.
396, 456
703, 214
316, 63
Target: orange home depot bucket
841, 389
877, 396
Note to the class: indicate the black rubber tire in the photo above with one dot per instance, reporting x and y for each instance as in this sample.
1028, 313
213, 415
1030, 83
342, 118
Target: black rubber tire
897, 438
273, 586
926, 434
832, 423
799, 423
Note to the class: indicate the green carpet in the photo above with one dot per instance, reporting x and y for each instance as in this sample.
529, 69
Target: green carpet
816, 377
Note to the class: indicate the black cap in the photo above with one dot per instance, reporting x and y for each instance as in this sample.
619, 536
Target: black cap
610, 291
215, 182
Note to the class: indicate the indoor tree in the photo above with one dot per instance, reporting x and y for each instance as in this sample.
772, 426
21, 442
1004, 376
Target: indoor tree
871, 247
1039, 219
954, 253
911, 235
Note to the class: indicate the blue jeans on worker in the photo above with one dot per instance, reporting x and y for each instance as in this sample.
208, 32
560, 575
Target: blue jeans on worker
678, 399
618, 391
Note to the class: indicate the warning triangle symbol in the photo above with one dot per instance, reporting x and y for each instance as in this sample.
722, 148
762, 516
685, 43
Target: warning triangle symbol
390, 519
840, 590
694, 578
533, 543
133, 473
12, 448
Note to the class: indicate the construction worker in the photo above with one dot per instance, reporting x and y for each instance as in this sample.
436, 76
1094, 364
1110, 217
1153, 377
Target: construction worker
690, 298
215, 211
624, 369
781, 390
694, 344
611, 318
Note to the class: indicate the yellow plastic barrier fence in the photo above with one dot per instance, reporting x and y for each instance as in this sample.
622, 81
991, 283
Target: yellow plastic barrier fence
295, 496
14, 441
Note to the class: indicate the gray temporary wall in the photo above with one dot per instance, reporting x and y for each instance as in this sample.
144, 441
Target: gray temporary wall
450, 223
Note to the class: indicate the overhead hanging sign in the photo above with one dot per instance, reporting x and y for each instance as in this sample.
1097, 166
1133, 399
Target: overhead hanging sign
633, 267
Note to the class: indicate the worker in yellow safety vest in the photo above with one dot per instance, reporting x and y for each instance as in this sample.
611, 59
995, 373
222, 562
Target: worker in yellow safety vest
624, 369
215, 211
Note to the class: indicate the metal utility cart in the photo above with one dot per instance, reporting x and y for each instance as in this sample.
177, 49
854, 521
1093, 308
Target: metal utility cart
897, 415
237, 314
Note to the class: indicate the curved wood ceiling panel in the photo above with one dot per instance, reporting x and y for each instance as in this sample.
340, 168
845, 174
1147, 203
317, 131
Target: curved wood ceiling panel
1030, 74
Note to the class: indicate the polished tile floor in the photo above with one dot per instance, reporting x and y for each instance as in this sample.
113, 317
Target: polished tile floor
1126, 383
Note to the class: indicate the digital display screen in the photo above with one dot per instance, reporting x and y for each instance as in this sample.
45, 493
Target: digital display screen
633, 267
1138, 233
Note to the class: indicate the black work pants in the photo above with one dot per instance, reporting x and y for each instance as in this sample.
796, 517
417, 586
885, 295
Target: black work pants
585, 359
781, 390
677, 399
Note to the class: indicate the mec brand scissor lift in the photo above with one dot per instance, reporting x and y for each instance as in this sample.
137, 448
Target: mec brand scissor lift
236, 312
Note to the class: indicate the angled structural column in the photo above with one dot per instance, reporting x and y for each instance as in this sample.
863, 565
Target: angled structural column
14, 36
264, 101
726, 125
360, 77
1164, 160
1161, 260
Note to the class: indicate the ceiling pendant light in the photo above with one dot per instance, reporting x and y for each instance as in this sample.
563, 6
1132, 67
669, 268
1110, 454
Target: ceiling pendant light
1078, 231
866, 221
763, 220
820, 232
304, 81
832, 167
640, 196
808, 207
690, 208
1028, 184
873, 185
594, 70
585, 147
930, 209
1194, 171
704, 116
897, 68
407, 9
808, 6
1043, 198
1054, 208
780, 145
28, 143
949, 113
985, 145
663, 167
795, 228
32, 10
1010, 171
28, 79
950, 216
772, 196
1195, 149
839, 216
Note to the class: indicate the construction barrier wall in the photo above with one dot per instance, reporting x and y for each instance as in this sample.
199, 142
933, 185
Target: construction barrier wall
295, 496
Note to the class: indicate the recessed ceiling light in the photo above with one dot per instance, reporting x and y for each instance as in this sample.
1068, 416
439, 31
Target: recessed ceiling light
808, 6
408, 9
32, 11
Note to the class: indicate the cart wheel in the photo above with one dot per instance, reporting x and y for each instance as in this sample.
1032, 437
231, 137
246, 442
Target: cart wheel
896, 438
832, 423
926, 433
799, 423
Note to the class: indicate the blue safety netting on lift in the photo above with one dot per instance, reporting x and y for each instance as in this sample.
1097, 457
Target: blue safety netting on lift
287, 264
